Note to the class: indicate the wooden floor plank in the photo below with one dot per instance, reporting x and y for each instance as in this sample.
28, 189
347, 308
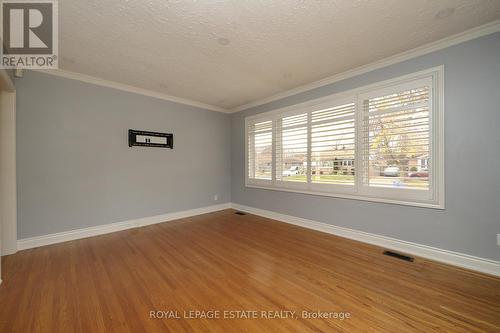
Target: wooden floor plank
227, 262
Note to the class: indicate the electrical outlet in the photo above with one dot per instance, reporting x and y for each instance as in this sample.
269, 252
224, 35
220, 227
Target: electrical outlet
216, 197
498, 239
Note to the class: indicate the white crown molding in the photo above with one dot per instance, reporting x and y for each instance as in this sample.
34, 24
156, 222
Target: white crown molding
128, 88
448, 257
28, 243
467, 35
477, 32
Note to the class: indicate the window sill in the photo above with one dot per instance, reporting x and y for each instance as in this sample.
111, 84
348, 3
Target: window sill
433, 205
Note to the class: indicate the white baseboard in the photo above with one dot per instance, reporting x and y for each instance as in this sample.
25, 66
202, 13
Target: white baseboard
28, 243
448, 257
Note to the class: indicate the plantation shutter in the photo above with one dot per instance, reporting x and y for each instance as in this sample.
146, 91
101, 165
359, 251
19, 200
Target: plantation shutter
260, 137
382, 142
291, 148
396, 128
333, 145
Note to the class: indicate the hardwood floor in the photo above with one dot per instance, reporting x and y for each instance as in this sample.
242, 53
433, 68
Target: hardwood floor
226, 262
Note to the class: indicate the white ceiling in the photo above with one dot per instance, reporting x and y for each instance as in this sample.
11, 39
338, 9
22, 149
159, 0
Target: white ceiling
229, 53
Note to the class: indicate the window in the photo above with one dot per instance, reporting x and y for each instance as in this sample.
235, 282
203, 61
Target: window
333, 145
260, 138
291, 148
396, 124
383, 143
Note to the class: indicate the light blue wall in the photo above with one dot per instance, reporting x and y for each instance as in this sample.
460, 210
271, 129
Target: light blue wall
75, 168
472, 148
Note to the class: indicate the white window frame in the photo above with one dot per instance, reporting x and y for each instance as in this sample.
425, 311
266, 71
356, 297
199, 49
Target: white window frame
434, 198
259, 181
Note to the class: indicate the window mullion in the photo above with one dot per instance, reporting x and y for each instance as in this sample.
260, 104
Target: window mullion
364, 145
273, 151
358, 154
309, 148
252, 152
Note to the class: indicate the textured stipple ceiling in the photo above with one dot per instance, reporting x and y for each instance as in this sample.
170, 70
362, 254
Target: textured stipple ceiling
229, 53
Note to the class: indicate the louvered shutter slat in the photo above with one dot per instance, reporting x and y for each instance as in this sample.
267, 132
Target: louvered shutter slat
260, 139
333, 145
291, 148
396, 139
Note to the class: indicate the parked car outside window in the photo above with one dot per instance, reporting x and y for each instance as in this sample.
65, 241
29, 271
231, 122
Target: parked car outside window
422, 173
293, 171
391, 171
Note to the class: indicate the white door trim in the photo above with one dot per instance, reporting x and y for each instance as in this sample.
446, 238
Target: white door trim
6, 82
8, 184
6, 158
